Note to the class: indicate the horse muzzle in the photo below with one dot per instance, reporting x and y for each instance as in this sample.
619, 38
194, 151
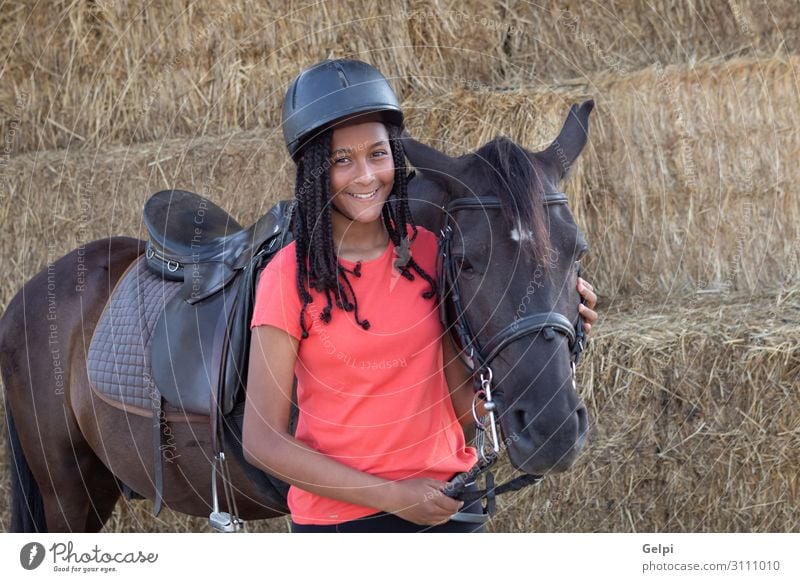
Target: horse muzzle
543, 442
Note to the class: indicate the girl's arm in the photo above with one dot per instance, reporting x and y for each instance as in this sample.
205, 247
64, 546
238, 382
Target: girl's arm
269, 446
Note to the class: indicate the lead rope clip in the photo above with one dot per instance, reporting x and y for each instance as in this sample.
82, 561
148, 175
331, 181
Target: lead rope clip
485, 393
489, 405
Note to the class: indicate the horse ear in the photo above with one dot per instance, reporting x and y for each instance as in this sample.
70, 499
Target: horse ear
569, 144
433, 164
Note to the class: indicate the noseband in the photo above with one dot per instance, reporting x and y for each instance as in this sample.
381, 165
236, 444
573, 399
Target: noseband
480, 356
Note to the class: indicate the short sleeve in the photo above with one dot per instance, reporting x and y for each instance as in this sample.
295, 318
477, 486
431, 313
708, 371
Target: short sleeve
277, 302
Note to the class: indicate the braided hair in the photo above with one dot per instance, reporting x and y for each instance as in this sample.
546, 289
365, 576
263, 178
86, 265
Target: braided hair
317, 263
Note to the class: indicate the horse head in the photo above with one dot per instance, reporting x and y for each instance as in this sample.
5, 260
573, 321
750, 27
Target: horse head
512, 251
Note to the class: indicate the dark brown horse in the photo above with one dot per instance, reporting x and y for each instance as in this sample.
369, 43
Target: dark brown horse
72, 452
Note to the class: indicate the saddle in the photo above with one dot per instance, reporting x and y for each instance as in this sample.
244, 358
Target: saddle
201, 341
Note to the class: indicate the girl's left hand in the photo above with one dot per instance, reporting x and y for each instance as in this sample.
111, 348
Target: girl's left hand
587, 311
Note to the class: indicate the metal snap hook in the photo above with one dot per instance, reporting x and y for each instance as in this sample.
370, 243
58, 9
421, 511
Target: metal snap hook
486, 387
479, 395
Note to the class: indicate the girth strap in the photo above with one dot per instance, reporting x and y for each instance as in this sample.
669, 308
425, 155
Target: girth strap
158, 464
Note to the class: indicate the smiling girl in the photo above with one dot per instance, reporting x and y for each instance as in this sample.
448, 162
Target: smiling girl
375, 443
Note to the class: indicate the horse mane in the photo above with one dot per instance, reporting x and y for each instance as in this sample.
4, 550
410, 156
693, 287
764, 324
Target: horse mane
513, 177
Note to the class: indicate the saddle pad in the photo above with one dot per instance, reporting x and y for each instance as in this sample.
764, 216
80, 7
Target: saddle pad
118, 362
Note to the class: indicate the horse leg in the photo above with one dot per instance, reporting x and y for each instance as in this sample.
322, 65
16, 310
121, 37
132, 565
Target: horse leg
78, 492
27, 511
43, 326
58, 484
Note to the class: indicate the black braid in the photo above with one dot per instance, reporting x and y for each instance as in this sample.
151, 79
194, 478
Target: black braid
396, 212
317, 264
354, 305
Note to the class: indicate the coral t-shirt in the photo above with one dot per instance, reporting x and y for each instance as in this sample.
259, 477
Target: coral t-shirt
376, 400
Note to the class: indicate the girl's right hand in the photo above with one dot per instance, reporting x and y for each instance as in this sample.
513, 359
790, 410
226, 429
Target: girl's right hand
421, 501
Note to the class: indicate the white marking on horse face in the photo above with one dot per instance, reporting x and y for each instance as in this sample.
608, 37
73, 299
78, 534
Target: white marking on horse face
518, 233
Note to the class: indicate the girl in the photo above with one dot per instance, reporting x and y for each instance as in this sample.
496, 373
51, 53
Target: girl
349, 308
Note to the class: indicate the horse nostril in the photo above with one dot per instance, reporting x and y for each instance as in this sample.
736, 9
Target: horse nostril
521, 420
583, 418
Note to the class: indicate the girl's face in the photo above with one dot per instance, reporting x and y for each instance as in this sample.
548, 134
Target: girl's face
362, 170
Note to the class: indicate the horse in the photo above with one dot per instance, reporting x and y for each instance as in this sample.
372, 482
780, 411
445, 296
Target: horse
511, 251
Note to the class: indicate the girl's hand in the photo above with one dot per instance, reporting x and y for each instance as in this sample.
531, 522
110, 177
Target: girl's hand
422, 502
586, 291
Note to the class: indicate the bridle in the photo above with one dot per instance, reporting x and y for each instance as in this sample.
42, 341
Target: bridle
479, 357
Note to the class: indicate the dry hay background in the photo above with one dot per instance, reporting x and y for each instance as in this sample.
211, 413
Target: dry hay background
119, 71
687, 192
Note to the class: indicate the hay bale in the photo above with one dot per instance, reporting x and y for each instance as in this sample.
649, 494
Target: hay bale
522, 43
85, 74
456, 44
81, 74
552, 42
695, 182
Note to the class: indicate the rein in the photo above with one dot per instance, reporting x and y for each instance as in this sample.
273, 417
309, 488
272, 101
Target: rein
479, 358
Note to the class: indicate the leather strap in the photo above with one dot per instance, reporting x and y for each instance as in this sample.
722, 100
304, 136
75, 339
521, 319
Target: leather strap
158, 468
513, 485
525, 326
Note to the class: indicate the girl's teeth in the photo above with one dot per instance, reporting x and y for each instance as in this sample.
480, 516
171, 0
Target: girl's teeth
363, 196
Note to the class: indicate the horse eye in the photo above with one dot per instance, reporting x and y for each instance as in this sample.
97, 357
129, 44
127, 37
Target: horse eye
464, 266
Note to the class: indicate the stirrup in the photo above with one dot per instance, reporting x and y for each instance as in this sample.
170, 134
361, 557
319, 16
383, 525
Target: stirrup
222, 521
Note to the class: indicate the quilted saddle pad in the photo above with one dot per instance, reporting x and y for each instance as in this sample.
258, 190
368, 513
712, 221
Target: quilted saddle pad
118, 361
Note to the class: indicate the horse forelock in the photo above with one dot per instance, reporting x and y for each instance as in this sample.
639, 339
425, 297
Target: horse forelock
510, 174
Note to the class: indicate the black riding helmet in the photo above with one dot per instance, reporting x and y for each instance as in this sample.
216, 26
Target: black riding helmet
332, 90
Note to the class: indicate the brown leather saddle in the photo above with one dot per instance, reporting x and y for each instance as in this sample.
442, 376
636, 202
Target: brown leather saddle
201, 340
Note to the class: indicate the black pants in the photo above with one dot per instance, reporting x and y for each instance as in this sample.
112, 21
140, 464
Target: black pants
389, 523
